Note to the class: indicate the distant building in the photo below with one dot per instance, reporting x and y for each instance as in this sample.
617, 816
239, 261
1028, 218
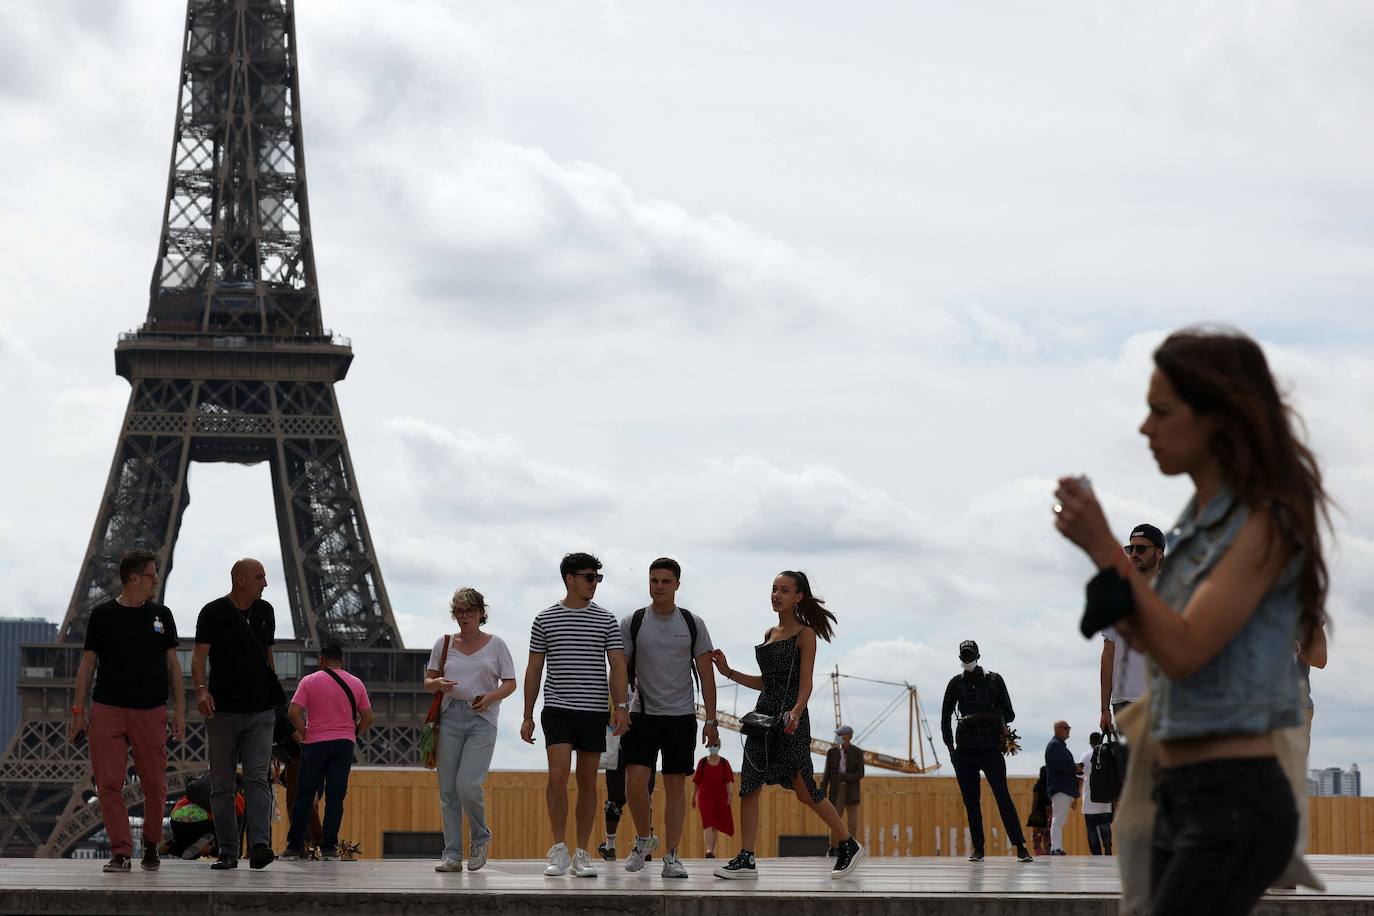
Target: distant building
1334, 781
13, 632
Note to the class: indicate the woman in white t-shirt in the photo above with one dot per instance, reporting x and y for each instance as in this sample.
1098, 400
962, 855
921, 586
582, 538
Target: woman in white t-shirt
475, 676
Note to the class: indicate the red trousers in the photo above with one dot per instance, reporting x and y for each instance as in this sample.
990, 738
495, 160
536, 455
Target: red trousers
114, 730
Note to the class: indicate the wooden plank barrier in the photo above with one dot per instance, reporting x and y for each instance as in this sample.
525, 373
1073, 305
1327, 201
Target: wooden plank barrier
901, 816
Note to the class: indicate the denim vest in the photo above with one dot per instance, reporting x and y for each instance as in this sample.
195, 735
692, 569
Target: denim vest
1251, 685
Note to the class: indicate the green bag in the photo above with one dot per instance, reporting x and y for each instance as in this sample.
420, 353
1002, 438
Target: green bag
429, 732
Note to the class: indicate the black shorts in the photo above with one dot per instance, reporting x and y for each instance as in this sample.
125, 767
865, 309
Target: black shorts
585, 731
675, 736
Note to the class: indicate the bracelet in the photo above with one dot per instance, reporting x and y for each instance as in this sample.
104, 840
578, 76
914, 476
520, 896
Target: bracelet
201, 686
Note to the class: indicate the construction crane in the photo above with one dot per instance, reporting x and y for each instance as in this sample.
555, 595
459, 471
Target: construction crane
917, 728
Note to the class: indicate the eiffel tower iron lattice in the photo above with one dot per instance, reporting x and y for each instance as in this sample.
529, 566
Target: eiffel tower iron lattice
233, 364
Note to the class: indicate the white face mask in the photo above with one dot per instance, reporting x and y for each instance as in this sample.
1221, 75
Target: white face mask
969, 666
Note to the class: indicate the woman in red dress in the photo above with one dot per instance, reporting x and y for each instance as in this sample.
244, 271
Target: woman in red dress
712, 797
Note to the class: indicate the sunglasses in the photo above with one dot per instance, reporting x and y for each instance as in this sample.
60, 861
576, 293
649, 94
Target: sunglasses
591, 577
1138, 549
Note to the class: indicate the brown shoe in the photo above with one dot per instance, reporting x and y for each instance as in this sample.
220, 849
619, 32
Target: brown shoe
118, 862
151, 860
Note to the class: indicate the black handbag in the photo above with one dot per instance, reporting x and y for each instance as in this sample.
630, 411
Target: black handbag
1108, 769
756, 724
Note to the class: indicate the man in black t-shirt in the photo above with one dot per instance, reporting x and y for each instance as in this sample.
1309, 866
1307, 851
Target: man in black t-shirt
133, 640
239, 700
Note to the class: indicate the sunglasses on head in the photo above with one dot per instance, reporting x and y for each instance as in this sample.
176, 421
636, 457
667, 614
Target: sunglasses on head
591, 577
1138, 549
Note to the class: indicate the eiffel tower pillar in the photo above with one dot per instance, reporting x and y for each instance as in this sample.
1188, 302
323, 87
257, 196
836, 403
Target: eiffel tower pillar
232, 364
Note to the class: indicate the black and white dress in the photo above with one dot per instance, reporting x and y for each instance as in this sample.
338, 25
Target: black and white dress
774, 760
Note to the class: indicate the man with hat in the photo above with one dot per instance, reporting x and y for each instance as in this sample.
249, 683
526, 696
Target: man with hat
984, 708
1122, 670
844, 769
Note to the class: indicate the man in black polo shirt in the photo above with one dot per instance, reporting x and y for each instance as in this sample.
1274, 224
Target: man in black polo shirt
239, 702
134, 641
984, 707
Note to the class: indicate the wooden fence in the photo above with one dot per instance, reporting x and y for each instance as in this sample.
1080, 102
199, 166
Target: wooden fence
901, 816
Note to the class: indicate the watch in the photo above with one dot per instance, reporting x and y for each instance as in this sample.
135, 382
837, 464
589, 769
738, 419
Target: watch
712, 722
624, 706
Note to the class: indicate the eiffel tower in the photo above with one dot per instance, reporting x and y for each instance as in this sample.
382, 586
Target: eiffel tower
233, 364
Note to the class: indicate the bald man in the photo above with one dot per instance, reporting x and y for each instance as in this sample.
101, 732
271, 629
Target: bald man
239, 700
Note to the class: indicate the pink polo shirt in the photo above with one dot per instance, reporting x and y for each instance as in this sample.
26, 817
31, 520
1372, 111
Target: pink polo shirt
328, 716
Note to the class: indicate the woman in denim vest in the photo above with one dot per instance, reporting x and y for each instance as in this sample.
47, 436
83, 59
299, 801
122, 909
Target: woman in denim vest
1243, 581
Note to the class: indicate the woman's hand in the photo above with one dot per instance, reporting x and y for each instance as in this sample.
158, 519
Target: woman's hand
718, 658
1079, 517
479, 702
790, 720
527, 730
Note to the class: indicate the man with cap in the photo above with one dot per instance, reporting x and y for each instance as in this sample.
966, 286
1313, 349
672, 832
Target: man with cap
984, 707
844, 769
1121, 673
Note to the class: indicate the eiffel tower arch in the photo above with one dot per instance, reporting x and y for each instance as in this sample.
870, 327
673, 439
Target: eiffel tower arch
232, 364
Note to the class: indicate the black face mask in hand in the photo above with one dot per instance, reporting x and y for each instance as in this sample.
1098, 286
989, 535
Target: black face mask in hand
1109, 599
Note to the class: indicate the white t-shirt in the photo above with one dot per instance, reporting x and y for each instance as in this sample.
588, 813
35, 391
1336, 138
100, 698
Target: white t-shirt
1090, 806
1128, 669
479, 673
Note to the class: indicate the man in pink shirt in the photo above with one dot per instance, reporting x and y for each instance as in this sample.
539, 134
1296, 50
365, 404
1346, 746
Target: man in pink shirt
329, 710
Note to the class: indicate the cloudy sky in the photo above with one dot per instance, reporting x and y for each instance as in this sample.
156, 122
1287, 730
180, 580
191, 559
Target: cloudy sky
756, 286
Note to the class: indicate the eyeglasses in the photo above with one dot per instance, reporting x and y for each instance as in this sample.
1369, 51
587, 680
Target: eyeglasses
1138, 549
467, 610
590, 577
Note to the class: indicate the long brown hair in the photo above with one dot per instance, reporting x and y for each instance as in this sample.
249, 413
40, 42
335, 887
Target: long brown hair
1223, 375
811, 610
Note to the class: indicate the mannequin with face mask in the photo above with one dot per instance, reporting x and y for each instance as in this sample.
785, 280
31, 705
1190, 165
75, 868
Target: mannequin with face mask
711, 796
980, 698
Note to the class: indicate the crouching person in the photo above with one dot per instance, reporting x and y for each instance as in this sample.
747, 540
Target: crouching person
330, 709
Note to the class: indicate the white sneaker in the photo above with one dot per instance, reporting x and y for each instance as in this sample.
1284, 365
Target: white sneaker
477, 856
559, 860
582, 866
673, 867
449, 864
640, 851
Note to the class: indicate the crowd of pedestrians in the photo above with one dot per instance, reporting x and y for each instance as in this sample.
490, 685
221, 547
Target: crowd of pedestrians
1218, 624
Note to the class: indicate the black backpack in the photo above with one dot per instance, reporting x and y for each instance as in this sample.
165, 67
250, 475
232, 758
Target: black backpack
637, 621
1108, 770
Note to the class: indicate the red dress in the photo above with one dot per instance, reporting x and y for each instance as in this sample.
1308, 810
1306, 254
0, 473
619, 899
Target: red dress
712, 802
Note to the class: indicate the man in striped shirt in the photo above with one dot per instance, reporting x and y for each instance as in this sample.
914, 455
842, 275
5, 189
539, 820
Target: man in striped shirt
574, 640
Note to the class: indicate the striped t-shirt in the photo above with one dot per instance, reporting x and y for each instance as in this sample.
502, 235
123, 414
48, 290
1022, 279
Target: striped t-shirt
574, 642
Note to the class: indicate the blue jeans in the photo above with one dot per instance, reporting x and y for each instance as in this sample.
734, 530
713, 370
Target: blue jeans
466, 743
327, 762
1099, 833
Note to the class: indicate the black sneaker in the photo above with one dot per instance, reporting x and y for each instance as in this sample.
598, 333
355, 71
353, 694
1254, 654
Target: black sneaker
291, 853
118, 862
976, 855
847, 856
710, 855
606, 852
224, 862
1023, 854
151, 860
830, 853
261, 856
740, 868
1058, 852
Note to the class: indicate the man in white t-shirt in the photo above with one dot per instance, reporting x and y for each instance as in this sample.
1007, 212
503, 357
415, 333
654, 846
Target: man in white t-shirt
1096, 815
1122, 671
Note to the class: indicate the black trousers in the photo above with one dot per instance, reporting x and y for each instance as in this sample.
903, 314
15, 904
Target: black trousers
990, 762
1224, 830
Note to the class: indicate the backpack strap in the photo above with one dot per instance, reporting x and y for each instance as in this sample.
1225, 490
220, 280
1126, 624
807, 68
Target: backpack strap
347, 692
692, 646
636, 621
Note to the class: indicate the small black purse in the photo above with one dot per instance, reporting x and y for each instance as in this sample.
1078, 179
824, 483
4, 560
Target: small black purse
757, 724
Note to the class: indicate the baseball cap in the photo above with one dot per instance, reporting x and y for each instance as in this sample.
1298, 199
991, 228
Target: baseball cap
1154, 535
844, 730
969, 646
